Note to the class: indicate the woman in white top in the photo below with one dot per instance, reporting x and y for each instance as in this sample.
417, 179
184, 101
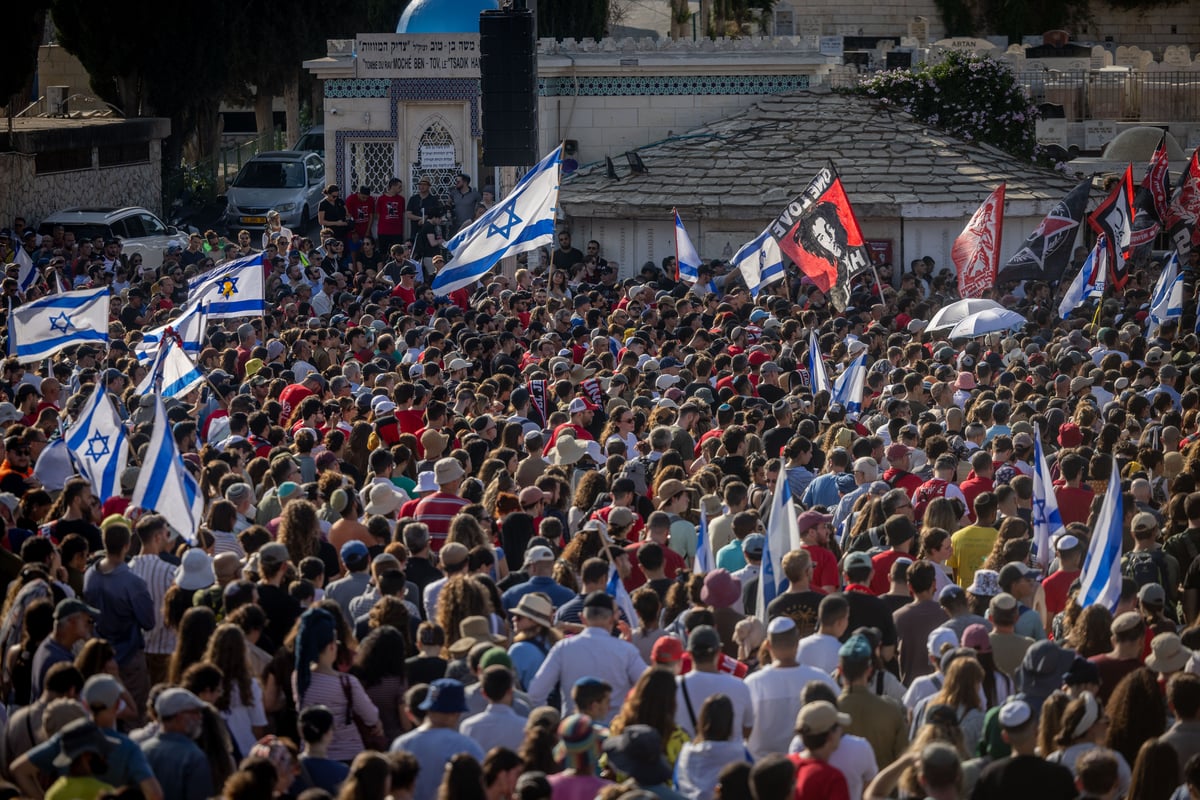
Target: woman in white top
274, 229
701, 761
241, 698
620, 428
557, 285
1084, 727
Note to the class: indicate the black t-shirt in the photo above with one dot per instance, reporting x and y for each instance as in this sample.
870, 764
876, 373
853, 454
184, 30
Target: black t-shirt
424, 669
867, 610
87, 530
282, 611
801, 607
421, 245
775, 439
373, 261
415, 204
13, 483
418, 570
735, 466
772, 394
335, 211
1024, 776
565, 259
129, 315
660, 587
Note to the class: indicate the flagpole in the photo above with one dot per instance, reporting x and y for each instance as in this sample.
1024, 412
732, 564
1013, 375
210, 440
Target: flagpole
878, 283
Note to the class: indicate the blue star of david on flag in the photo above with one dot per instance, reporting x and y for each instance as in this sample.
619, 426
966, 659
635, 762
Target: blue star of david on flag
97, 447
505, 229
61, 322
229, 286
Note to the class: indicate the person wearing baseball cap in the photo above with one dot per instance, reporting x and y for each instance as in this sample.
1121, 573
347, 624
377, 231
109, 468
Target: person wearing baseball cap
581, 411
539, 565
898, 473
437, 740
877, 719
73, 621
814, 537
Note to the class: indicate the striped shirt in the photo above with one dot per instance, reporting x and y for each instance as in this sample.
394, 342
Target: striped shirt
329, 691
225, 542
436, 511
159, 576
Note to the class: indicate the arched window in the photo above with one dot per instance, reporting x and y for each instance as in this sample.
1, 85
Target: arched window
436, 160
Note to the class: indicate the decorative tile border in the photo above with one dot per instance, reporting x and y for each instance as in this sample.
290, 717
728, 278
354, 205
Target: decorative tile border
398, 91
671, 85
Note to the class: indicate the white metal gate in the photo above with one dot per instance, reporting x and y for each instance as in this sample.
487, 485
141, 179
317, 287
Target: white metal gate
436, 160
371, 163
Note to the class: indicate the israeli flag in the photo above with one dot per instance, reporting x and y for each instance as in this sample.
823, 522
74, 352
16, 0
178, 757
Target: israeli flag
172, 374
1089, 282
1167, 300
233, 289
783, 536
1047, 521
848, 388
816, 365
1100, 581
523, 221
760, 261
687, 260
620, 595
164, 485
40, 329
97, 444
190, 327
704, 556
26, 274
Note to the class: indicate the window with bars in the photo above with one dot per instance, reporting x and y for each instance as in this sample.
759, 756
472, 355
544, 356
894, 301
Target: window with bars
435, 160
370, 163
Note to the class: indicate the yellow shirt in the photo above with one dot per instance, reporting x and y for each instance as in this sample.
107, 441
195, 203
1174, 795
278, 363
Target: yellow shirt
972, 545
78, 788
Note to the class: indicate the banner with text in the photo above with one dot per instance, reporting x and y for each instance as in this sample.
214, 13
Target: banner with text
416, 55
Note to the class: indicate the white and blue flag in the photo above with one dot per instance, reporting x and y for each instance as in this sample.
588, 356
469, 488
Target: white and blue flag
1100, 581
1047, 521
97, 444
26, 274
783, 536
164, 485
173, 373
620, 595
190, 326
1167, 300
1090, 281
233, 289
848, 388
523, 221
760, 261
816, 365
40, 329
687, 260
704, 557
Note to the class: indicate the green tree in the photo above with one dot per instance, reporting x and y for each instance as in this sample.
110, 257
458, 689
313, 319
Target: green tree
968, 96
579, 19
18, 59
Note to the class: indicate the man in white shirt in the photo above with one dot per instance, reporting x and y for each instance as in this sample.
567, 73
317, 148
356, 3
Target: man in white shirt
775, 690
322, 301
595, 652
820, 649
705, 680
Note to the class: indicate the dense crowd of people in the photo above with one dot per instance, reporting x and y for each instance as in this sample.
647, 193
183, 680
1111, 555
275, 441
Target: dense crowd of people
507, 543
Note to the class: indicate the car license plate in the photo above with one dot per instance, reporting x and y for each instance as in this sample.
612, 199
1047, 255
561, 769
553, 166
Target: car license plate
254, 220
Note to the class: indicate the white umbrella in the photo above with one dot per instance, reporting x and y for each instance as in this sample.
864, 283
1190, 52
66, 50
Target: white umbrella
987, 321
949, 316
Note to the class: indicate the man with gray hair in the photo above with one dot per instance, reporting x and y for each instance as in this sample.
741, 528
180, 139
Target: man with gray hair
866, 472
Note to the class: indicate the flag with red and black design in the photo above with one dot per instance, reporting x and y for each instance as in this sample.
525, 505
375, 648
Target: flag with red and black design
1151, 200
1047, 250
1114, 218
819, 232
1184, 208
539, 401
976, 251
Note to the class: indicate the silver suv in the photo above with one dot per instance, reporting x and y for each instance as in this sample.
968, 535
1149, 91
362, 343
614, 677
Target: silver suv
139, 230
287, 181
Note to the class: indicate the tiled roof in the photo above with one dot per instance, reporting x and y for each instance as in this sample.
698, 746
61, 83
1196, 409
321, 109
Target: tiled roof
736, 167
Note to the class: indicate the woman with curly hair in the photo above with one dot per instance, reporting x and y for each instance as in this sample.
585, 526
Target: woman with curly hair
1136, 713
585, 544
962, 692
460, 598
1091, 634
300, 533
379, 666
591, 486
652, 702
240, 700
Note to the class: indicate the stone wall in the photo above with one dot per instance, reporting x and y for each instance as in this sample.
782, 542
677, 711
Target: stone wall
27, 194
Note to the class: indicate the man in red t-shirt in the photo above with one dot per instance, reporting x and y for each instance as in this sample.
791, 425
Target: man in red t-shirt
814, 537
658, 530
389, 213
406, 289
1070, 561
1074, 499
360, 207
901, 535
292, 394
820, 726
581, 411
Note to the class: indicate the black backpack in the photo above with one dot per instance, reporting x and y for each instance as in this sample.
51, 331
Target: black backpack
1146, 566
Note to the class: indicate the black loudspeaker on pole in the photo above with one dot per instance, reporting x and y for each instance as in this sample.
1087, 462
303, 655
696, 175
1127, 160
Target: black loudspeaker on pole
508, 87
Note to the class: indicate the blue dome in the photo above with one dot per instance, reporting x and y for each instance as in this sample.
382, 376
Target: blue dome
443, 16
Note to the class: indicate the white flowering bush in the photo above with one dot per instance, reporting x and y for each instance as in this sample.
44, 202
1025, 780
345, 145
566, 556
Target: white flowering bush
969, 96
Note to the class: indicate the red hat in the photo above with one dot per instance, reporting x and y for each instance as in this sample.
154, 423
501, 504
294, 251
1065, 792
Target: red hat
758, 358
897, 451
667, 650
1069, 435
